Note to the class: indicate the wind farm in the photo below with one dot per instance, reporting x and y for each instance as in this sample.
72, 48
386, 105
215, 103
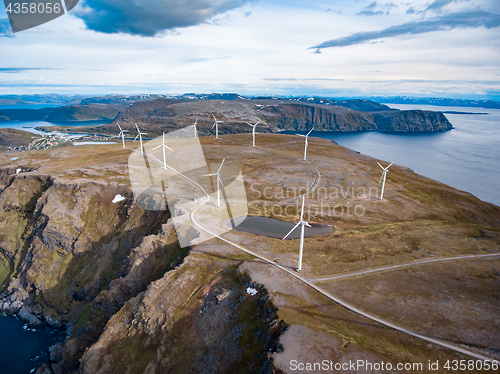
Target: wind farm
331, 287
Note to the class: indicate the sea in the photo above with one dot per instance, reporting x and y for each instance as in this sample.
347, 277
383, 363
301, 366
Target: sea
24, 349
466, 158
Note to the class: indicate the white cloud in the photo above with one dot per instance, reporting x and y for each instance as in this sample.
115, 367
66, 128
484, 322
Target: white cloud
258, 52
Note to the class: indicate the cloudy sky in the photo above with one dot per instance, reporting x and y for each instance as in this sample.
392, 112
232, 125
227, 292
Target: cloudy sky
445, 48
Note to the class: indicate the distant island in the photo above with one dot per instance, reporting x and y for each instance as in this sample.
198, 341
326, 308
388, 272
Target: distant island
457, 112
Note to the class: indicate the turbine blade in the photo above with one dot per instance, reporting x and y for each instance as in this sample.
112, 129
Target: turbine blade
308, 225
220, 167
214, 124
389, 166
286, 236
208, 175
382, 176
215, 119
300, 135
310, 131
121, 130
157, 147
136, 138
220, 181
166, 146
380, 166
137, 127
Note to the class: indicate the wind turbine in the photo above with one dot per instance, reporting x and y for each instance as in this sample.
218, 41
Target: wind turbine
253, 132
216, 124
218, 181
302, 223
122, 134
382, 178
195, 130
305, 146
164, 147
140, 137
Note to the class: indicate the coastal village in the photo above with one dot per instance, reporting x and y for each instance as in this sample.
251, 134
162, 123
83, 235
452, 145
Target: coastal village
55, 139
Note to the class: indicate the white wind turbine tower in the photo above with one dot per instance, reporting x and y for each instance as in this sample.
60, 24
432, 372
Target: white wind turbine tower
302, 223
382, 178
195, 130
122, 134
219, 181
253, 132
216, 125
140, 137
164, 147
305, 146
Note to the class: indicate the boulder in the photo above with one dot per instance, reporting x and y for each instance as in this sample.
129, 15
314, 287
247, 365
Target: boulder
26, 315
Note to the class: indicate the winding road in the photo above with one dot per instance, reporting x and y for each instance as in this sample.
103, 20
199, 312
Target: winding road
336, 299
310, 282
393, 267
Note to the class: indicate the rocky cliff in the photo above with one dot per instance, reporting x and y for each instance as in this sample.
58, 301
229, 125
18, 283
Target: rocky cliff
300, 117
70, 257
411, 121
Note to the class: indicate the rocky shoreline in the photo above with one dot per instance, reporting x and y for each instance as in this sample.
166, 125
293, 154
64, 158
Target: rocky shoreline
12, 302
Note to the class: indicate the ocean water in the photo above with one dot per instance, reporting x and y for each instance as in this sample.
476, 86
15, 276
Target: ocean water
466, 158
30, 106
30, 125
23, 349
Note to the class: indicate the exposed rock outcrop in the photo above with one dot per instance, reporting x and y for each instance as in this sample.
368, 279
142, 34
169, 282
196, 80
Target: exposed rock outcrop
299, 117
178, 326
411, 121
